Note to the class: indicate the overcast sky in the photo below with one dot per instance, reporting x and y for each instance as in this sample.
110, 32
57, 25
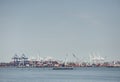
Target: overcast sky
59, 27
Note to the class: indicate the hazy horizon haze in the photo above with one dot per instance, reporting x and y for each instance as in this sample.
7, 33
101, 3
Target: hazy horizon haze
59, 27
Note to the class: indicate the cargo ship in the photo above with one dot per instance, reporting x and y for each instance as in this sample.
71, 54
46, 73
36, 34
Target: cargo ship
63, 68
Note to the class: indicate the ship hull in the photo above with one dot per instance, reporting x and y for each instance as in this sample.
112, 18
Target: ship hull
63, 68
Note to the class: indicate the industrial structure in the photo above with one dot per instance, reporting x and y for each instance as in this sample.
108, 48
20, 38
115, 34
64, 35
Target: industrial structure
24, 61
20, 61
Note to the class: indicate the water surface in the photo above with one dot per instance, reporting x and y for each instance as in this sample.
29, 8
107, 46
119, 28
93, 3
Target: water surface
83, 74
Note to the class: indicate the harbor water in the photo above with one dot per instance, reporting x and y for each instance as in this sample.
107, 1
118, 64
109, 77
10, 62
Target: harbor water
82, 74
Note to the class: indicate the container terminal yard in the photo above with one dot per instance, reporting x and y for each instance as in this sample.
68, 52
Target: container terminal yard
23, 61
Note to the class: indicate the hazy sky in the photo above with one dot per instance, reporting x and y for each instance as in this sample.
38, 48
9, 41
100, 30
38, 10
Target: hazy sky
59, 27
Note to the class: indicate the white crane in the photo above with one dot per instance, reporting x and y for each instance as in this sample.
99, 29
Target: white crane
77, 59
96, 58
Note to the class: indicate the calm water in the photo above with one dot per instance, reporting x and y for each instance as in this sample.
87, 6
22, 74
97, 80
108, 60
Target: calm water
48, 75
